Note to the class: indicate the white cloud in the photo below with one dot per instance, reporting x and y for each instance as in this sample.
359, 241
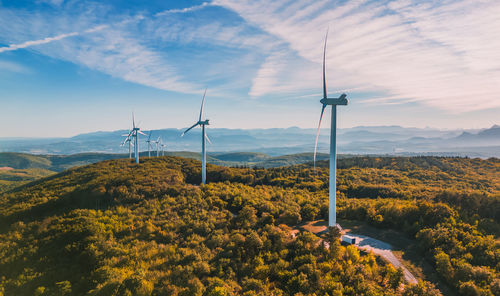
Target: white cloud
37, 42
184, 10
46, 40
444, 54
114, 48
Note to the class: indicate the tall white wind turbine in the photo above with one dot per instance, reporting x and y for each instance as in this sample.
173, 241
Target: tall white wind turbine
134, 134
332, 198
204, 137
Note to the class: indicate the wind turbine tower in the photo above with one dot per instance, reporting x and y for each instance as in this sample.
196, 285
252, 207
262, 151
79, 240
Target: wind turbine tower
204, 137
134, 134
158, 142
149, 143
130, 144
334, 102
163, 149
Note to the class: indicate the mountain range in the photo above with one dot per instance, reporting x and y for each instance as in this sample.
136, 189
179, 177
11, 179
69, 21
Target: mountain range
394, 140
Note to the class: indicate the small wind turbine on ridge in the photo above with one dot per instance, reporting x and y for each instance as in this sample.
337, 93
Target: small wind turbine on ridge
204, 138
332, 194
149, 143
158, 143
130, 144
163, 149
134, 134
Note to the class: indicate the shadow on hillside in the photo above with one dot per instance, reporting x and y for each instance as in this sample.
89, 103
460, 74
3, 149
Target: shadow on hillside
65, 204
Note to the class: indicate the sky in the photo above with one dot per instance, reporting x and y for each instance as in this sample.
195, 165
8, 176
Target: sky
76, 66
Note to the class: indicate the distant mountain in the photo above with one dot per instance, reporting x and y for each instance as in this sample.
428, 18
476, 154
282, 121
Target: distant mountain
486, 137
281, 141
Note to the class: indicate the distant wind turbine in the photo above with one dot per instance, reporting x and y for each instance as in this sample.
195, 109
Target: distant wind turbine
332, 199
163, 149
134, 134
204, 137
128, 140
149, 143
158, 143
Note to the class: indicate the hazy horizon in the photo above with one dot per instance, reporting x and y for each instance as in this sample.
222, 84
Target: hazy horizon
323, 128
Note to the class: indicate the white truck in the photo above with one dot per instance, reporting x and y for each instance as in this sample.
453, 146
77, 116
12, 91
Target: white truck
351, 240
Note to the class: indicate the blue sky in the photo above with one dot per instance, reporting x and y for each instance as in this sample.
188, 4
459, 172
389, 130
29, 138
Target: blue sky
73, 66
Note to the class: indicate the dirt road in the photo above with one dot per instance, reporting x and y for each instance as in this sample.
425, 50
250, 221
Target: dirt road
384, 250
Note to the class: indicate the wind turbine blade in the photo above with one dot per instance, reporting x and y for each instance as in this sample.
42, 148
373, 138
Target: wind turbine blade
127, 135
317, 135
126, 139
133, 119
324, 67
142, 133
202, 104
208, 139
149, 137
189, 129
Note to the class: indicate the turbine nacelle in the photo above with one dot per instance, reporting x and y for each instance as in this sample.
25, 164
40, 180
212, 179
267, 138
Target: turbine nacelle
335, 101
205, 122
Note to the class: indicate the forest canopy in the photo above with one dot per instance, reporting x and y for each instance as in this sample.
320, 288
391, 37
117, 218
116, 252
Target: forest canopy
118, 228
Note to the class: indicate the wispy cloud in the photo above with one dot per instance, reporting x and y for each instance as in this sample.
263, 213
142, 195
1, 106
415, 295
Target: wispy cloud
184, 10
443, 54
49, 39
114, 48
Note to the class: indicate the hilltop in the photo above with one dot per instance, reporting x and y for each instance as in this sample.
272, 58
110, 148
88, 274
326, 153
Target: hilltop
118, 228
19, 168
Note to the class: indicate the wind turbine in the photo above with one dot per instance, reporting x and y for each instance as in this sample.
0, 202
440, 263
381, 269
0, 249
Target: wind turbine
158, 142
129, 141
204, 137
149, 143
162, 149
332, 198
134, 134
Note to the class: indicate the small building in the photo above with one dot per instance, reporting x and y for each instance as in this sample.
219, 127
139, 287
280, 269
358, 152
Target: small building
351, 240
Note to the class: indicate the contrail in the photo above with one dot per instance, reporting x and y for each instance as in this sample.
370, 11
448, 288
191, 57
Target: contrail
48, 39
95, 29
184, 10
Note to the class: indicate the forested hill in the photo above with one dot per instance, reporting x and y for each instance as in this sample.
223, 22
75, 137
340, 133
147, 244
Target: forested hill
118, 228
20, 168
